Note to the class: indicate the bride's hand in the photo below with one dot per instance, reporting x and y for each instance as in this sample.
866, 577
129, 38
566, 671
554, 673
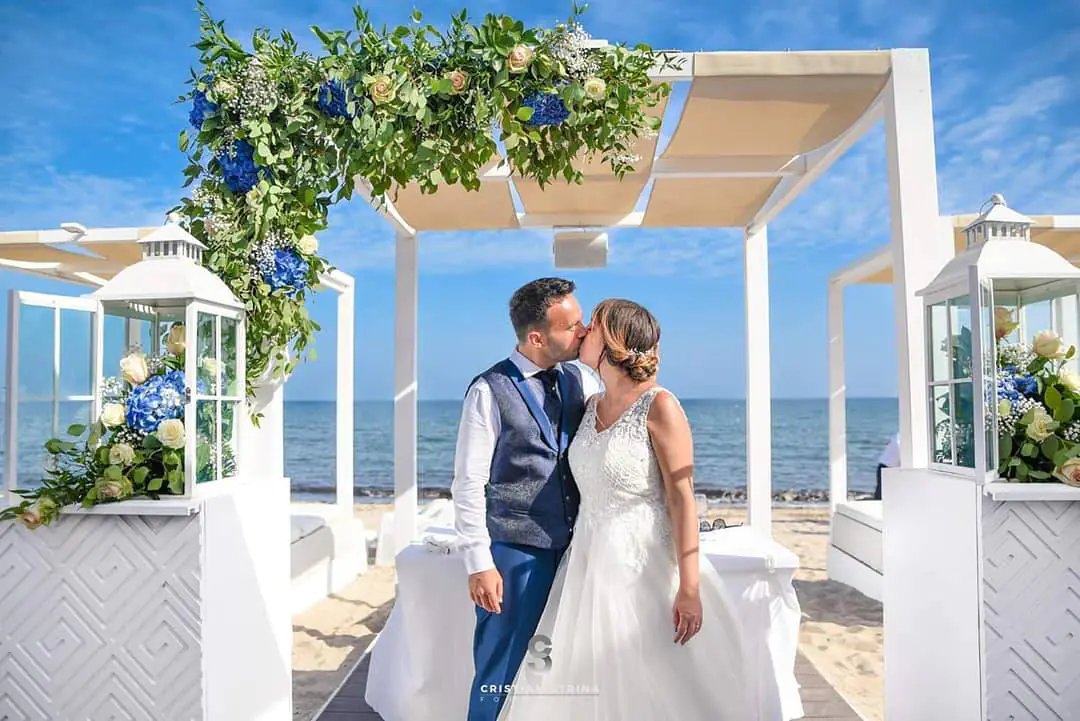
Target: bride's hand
686, 614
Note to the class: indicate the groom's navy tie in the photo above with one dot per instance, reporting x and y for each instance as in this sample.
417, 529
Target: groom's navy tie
552, 403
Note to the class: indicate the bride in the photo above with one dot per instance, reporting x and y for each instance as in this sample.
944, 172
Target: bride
637, 626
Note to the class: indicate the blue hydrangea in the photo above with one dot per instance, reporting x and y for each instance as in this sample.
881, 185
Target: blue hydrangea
1006, 388
548, 109
200, 108
289, 271
332, 100
160, 398
1027, 385
241, 173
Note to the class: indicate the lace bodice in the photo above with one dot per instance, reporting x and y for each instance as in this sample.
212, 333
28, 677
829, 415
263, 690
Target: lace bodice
622, 489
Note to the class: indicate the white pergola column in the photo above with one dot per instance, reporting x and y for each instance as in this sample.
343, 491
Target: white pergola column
918, 252
758, 386
407, 278
346, 305
838, 480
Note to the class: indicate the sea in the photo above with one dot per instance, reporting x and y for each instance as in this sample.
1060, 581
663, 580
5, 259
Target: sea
800, 459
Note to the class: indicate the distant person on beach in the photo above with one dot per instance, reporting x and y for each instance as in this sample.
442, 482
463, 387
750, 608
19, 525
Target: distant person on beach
890, 458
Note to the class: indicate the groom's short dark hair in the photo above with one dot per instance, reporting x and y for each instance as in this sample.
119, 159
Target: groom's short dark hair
530, 303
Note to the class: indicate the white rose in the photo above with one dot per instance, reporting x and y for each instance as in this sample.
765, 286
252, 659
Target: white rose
176, 343
1041, 427
458, 80
1071, 380
224, 90
308, 245
112, 414
1048, 345
38, 512
1069, 472
1003, 321
519, 59
595, 89
211, 366
1004, 407
110, 489
133, 369
31, 517
171, 433
121, 455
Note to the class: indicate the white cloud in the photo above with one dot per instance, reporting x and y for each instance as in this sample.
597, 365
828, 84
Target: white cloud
993, 124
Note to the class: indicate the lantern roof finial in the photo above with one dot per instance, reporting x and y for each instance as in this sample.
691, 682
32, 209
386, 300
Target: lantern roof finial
998, 212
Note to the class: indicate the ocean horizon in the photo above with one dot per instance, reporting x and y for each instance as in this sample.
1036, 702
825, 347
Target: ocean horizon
800, 462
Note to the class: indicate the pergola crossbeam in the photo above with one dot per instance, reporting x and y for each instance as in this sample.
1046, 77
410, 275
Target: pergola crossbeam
570, 221
387, 210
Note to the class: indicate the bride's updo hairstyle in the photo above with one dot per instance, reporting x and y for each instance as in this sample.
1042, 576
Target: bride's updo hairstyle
630, 336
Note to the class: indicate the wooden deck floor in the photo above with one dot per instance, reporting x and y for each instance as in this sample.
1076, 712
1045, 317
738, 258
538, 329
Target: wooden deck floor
820, 700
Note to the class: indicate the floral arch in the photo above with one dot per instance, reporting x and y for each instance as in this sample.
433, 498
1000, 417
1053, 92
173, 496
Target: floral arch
279, 135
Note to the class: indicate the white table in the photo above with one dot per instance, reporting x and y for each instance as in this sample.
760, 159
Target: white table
421, 663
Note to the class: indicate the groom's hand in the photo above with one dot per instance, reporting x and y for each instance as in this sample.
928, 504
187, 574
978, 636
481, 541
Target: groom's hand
486, 590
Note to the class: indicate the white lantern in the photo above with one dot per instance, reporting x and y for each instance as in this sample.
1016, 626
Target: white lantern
189, 326
994, 297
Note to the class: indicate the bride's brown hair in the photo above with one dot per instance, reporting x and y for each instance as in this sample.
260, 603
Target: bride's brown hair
631, 337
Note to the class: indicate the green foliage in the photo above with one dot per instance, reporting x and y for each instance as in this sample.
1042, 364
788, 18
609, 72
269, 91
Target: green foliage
418, 106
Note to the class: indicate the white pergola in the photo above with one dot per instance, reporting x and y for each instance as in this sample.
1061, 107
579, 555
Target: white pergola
90, 257
1061, 233
757, 129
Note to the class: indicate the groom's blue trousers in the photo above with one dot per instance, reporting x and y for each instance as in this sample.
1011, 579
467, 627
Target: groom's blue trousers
501, 639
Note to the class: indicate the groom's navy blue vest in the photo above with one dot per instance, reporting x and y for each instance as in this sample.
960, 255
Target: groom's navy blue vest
532, 498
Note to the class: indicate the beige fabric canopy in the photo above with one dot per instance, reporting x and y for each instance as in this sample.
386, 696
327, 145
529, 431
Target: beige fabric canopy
748, 121
72, 255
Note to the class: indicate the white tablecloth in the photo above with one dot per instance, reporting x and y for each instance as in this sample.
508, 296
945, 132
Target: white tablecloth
421, 664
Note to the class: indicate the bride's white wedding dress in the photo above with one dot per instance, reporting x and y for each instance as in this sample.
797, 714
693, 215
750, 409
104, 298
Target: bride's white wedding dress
609, 616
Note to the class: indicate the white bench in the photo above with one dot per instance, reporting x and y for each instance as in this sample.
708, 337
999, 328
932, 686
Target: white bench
855, 547
329, 550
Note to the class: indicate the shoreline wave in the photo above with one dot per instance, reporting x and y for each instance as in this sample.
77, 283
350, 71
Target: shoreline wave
716, 496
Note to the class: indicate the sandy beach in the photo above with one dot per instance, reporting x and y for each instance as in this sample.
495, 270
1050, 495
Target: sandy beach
841, 629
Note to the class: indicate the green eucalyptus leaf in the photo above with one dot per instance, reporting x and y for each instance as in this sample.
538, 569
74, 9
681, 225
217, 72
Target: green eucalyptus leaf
1050, 447
1053, 399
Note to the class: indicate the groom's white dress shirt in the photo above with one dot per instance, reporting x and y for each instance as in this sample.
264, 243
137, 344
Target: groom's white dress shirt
477, 433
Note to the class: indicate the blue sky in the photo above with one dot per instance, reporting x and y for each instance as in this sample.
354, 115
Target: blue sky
88, 133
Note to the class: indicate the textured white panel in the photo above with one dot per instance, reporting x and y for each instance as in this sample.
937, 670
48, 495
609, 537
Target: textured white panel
100, 619
1031, 587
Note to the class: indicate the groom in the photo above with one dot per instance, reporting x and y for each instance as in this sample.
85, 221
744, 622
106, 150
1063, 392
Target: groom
515, 499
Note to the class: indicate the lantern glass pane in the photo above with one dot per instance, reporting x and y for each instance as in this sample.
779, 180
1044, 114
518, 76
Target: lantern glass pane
938, 325
961, 342
206, 441
230, 438
208, 366
941, 425
964, 423
229, 371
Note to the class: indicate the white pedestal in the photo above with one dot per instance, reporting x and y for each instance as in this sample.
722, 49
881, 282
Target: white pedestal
174, 615
982, 598
156, 610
